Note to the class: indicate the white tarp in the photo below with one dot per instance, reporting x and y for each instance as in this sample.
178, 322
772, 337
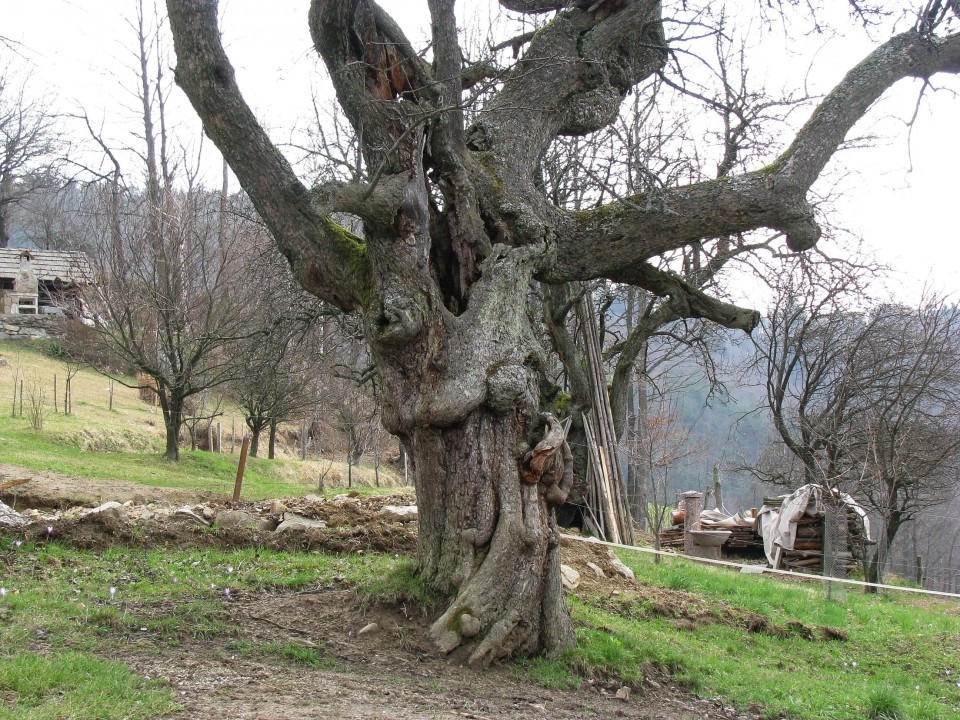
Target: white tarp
718, 519
778, 527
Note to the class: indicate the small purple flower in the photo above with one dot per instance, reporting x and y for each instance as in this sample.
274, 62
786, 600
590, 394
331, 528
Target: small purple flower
229, 568
113, 591
226, 592
17, 543
49, 529
3, 592
175, 581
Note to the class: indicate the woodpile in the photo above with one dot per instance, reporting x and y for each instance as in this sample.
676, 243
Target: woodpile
741, 538
807, 553
672, 538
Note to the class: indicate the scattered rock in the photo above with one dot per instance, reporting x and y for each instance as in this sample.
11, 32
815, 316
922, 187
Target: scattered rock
128, 503
620, 569
469, 626
623, 693
11, 518
240, 519
569, 577
538, 707
112, 505
345, 499
277, 508
294, 521
399, 513
315, 499
205, 512
368, 629
191, 515
596, 569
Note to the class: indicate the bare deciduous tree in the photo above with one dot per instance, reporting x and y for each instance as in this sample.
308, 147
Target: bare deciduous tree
168, 262
31, 147
867, 401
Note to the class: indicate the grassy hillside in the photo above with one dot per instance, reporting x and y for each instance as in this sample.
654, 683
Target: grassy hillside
126, 442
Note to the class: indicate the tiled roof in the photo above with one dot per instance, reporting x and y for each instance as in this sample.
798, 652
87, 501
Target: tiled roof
68, 266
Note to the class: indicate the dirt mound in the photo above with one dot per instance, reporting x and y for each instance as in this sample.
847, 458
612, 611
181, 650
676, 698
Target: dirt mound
352, 525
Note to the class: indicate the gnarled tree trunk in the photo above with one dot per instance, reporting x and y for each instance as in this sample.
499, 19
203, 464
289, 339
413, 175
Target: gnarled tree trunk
455, 229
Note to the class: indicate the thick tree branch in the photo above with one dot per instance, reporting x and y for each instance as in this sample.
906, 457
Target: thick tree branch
327, 260
614, 240
909, 54
570, 80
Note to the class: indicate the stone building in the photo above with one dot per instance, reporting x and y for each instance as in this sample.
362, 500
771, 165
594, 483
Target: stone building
41, 282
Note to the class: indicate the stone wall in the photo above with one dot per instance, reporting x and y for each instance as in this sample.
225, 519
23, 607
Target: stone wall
29, 327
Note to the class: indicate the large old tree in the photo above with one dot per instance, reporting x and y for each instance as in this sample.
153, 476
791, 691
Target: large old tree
456, 229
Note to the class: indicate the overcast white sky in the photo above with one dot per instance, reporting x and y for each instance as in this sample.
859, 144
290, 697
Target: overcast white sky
78, 53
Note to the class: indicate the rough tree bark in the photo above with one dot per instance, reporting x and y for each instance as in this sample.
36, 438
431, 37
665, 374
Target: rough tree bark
455, 230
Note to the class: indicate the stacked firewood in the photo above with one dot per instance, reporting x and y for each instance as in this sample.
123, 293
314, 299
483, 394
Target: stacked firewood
807, 553
671, 538
741, 538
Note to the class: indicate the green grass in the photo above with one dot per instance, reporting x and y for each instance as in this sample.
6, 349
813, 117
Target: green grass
289, 651
76, 685
126, 443
64, 610
901, 659
59, 610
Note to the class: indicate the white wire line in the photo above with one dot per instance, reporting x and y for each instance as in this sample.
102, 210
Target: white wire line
763, 571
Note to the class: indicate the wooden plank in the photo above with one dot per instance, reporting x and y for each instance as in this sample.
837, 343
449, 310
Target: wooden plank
13, 483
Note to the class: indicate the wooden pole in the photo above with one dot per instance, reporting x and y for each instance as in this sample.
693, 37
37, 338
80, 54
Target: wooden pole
919, 571
303, 439
21, 398
240, 468
55, 408
110, 389
603, 429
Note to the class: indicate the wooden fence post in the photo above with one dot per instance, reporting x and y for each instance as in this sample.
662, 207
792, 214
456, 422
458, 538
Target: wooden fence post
303, 439
240, 468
